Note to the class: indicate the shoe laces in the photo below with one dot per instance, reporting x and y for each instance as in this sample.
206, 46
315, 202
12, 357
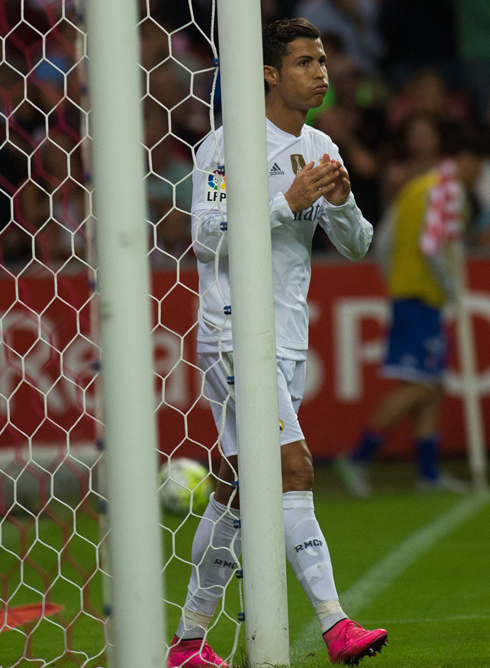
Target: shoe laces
349, 631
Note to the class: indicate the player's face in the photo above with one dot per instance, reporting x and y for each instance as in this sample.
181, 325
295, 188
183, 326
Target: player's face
303, 79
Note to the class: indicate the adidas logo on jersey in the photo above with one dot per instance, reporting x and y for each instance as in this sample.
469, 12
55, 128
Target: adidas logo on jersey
276, 170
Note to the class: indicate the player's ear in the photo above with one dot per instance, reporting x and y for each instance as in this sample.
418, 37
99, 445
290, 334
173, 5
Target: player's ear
271, 75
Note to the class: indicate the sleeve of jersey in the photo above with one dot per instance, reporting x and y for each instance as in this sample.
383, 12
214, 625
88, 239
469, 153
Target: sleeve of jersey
442, 273
209, 212
347, 229
444, 216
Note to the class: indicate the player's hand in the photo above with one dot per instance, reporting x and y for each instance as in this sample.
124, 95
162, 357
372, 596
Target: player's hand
329, 179
340, 187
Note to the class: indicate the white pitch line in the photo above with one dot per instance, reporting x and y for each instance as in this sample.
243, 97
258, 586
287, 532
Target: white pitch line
384, 572
424, 620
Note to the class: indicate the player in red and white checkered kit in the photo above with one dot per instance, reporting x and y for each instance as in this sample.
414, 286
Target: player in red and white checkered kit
427, 215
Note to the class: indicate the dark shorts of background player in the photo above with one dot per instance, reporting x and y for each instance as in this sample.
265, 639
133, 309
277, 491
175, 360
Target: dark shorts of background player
417, 343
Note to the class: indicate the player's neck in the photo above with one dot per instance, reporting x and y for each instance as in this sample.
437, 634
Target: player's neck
287, 120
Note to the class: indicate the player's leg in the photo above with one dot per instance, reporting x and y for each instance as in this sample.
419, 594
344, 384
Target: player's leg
306, 547
217, 541
414, 355
427, 436
430, 356
403, 400
427, 446
308, 555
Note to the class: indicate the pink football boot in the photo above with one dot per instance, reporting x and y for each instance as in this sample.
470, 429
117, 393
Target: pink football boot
193, 654
348, 643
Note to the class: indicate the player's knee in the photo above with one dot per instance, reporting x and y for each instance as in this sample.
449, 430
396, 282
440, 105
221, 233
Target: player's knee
430, 393
297, 467
299, 480
226, 487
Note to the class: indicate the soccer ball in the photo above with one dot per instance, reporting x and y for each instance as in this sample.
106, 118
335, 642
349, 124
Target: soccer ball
185, 484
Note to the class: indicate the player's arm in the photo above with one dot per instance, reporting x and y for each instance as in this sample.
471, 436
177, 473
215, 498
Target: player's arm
346, 227
329, 180
343, 221
208, 209
384, 242
208, 237
209, 212
432, 241
441, 272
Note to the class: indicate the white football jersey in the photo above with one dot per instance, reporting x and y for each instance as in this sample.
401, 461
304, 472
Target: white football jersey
291, 235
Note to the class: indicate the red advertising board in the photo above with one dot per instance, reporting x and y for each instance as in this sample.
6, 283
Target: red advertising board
49, 363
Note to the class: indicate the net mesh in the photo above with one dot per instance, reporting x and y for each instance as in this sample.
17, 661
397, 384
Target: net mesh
54, 540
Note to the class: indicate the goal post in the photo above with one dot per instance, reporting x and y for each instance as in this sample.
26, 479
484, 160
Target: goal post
475, 435
252, 312
81, 528
124, 286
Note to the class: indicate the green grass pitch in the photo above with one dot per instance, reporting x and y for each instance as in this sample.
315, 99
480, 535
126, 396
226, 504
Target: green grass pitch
416, 564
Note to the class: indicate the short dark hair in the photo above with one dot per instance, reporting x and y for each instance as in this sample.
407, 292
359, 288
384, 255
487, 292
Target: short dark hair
277, 36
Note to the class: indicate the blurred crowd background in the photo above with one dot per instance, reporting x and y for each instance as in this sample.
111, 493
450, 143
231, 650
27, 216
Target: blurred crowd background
406, 77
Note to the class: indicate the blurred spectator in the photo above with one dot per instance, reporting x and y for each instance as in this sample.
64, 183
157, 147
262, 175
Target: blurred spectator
175, 14
57, 74
426, 91
353, 21
272, 10
155, 44
169, 80
42, 202
56, 6
176, 62
473, 20
22, 27
384, 142
419, 34
358, 132
50, 204
169, 190
170, 239
416, 150
477, 235
169, 176
15, 243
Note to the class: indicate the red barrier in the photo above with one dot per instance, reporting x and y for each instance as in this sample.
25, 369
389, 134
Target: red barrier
348, 321
348, 316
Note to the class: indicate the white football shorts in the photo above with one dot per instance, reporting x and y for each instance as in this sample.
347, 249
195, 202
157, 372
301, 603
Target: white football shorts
290, 389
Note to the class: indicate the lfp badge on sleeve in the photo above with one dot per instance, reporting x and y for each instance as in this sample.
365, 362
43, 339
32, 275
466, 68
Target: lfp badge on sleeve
215, 190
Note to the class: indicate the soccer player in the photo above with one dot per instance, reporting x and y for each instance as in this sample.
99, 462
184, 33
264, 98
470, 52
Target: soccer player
413, 248
309, 186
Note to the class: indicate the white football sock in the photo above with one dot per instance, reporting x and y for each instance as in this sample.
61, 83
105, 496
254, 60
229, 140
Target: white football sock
307, 552
215, 552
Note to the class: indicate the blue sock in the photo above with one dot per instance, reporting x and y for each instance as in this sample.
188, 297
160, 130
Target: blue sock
427, 450
367, 446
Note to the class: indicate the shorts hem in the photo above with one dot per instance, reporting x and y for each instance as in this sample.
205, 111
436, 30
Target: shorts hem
415, 375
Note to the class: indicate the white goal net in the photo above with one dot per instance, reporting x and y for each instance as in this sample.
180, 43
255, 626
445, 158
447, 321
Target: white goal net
55, 601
